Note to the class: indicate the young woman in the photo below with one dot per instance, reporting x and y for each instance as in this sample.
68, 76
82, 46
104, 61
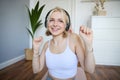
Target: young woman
62, 53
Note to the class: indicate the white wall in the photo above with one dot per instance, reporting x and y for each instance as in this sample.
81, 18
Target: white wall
13, 34
84, 12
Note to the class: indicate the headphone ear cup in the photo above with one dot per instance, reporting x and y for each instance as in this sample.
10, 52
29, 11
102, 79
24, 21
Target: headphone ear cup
67, 27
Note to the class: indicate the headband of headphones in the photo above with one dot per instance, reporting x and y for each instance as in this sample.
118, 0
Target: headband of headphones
67, 25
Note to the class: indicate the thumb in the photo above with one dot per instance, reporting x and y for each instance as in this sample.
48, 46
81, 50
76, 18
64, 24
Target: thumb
81, 34
40, 38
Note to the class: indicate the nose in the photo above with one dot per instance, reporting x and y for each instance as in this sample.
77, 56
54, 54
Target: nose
55, 23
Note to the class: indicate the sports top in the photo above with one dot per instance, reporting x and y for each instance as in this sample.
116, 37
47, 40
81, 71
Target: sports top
62, 65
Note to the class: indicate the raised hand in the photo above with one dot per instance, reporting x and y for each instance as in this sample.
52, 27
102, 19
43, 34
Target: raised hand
36, 43
87, 35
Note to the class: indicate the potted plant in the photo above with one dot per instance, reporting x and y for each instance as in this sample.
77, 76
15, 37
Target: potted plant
99, 9
35, 23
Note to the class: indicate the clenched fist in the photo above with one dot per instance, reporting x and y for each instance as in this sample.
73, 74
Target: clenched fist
36, 44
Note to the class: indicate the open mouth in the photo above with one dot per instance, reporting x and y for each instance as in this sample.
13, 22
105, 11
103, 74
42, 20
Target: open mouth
55, 29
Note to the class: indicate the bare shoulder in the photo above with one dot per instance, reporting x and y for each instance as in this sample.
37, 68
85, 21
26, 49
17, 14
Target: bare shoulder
46, 44
75, 37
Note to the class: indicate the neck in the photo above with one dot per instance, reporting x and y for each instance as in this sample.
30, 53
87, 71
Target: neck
57, 40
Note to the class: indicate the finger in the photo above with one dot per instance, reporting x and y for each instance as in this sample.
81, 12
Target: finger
84, 29
81, 33
88, 31
81, 29
40, 38
36, 39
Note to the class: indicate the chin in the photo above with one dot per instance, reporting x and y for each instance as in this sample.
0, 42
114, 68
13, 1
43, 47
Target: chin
56, 34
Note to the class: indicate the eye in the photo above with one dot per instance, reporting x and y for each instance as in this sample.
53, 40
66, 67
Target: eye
61, 21
51, 20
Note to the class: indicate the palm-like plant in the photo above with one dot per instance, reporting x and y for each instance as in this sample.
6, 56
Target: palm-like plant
34, 15
35, 23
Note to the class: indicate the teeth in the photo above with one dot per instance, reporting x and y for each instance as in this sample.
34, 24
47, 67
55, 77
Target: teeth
55, 29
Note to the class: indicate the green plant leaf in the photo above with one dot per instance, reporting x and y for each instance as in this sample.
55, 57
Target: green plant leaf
30, 33
30, 15
40, 10
36, 26
36, 12
37, 6
34, 16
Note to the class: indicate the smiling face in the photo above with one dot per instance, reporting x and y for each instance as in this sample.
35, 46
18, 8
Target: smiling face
56, 23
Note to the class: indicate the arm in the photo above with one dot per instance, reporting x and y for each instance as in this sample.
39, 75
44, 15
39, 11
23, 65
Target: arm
84, 50
38, 60
79, 50
86, 35
89, 61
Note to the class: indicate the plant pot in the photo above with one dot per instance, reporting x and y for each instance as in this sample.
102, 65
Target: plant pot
28, 54
102, 13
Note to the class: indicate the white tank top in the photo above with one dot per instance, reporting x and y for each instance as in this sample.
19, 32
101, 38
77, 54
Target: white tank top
63, 65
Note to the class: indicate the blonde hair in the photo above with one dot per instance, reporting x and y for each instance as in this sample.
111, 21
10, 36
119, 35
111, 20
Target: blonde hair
62, 11
66, 19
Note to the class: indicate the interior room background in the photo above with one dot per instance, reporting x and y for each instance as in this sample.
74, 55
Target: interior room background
14, 37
